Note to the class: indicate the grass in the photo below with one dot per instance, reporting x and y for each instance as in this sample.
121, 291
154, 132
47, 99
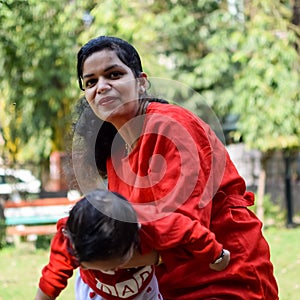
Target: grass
285, 255
20, 271
21, 267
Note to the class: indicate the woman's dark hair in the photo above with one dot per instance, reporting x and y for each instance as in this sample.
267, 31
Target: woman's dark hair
98, 135
102, 225
125, 52
93, 137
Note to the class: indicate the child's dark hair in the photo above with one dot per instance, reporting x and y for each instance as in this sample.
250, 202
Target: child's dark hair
102, 225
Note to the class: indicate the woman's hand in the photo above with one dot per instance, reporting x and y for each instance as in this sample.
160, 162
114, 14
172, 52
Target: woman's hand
221, 263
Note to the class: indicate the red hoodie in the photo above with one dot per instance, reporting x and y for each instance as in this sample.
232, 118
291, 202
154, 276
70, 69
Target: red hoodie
192, 203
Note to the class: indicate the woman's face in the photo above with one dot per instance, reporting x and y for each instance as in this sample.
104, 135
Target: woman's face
111, 88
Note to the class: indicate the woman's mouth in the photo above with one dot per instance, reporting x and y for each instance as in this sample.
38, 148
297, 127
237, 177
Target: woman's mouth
105, 101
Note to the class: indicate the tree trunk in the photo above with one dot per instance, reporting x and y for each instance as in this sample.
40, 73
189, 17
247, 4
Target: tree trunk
296, 19
261, 189
296, 12
288, 188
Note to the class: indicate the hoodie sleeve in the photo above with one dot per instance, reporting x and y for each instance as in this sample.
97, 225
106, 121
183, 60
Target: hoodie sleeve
61, 264
188, 237
181, 168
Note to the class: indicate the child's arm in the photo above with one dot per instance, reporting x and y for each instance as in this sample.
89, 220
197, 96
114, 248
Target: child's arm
60, 268
40, 295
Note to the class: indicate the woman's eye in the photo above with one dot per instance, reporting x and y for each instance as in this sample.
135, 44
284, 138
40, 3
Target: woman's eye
89, 83
115, 75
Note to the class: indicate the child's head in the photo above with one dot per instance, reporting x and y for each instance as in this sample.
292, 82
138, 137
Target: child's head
102, 227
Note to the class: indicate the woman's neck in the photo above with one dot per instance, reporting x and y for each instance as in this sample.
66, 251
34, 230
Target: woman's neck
132, 129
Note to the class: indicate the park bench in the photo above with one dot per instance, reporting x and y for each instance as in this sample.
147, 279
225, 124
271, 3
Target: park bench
35, 217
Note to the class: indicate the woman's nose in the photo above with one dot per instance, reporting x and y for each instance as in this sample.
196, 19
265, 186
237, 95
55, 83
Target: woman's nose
103, 86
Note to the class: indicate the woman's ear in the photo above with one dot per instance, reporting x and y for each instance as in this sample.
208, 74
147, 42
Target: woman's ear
143, 83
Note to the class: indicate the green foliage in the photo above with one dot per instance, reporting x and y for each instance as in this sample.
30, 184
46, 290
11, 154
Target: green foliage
37, 59
252, 69
268, 82
243, 62
133, 21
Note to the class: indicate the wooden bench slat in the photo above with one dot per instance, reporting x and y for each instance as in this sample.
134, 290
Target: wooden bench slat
37, 216
40, 202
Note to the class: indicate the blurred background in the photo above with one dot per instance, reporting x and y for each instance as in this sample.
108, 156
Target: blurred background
241, 56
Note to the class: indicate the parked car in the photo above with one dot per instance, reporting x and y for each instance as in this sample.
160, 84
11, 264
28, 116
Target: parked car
18, 182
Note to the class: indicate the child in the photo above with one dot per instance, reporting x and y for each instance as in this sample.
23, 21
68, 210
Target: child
99, 236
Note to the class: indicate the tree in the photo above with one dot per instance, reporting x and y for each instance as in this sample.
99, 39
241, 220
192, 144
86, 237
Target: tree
134, 22
38, 59
243, 60
265, 90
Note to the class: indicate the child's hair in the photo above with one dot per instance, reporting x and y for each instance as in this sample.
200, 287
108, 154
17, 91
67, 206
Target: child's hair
102, 225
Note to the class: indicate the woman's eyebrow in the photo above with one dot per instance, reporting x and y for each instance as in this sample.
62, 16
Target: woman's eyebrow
87, 75
105, 70
112, 67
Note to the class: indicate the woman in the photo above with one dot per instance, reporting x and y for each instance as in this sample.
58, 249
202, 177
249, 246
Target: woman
178, 176
192, 196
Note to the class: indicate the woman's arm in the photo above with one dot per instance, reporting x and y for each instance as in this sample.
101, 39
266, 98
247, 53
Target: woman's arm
222, 262
153, 258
